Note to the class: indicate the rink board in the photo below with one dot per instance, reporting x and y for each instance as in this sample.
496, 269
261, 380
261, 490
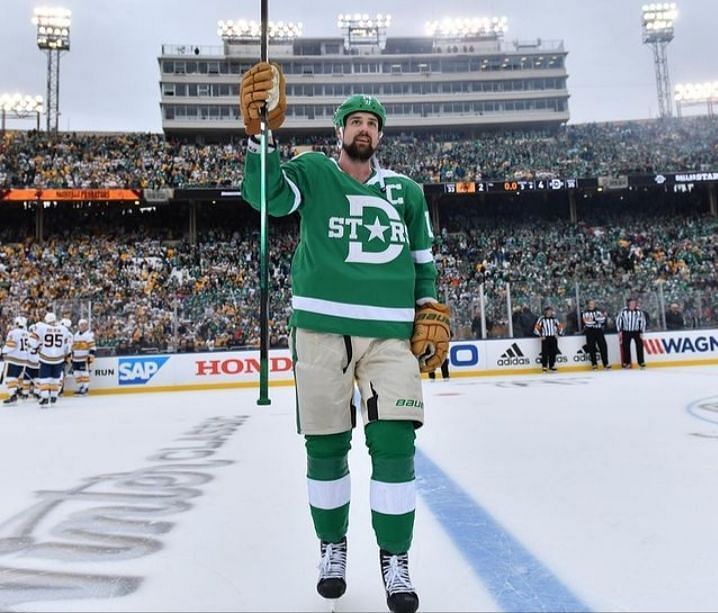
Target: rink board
218, 370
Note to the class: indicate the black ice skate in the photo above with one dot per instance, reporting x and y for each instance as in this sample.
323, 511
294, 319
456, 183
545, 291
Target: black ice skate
332, 569
400, 594
53, 400
44, 402
11, 400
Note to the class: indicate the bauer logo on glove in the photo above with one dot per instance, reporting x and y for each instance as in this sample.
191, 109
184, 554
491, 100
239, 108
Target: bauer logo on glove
432, 330
263, 85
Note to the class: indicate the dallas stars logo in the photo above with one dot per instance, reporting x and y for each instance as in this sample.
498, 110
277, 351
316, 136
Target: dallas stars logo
387, 230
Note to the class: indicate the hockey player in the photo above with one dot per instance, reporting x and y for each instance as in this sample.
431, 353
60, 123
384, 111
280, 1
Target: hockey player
364, 308
66, 323
31, 381
52, 349
14, 352
83, 355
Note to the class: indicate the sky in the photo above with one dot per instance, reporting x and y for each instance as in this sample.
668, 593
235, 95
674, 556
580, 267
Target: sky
110, 78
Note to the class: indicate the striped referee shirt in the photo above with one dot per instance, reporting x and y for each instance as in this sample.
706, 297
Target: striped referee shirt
548, 326
631, 320
593, 319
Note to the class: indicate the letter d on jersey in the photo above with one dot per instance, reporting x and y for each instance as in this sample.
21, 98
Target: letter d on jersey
138, 371
357, 253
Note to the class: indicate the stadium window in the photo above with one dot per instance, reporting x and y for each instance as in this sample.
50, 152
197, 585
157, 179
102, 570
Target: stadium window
203, 89
180, 111
180, 89
224, 68
191, 67
192, 89
191, 111
168, 89
213, 67
168, 66
202, 67
180, 68
169, 112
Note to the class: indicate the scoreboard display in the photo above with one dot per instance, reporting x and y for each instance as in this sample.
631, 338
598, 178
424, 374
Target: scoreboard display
540, 185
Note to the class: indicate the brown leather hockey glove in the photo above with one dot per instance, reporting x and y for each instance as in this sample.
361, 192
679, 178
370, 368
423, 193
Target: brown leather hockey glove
432, 330
262, 84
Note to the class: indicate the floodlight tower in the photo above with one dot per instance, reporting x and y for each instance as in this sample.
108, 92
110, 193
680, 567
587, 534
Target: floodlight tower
241, 30
459, 28
657, 21
20, 107
693, 94
361, 30
53, 37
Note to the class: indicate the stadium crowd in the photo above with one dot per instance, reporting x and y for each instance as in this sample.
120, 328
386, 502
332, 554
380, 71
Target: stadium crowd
149, 289
66, 160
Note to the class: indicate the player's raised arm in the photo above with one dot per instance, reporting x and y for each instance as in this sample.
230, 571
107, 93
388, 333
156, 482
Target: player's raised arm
264, 83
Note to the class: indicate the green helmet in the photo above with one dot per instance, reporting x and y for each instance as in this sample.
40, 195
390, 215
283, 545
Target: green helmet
359, 103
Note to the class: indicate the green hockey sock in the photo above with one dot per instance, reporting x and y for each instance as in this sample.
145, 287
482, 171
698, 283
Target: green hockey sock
392, 489
329, 484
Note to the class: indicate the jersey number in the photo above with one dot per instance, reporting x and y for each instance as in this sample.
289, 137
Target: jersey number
53, 340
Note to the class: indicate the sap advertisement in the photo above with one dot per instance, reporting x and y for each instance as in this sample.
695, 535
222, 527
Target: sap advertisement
467, 358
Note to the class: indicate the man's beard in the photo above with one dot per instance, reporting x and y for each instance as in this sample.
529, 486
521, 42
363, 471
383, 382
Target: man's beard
354, 151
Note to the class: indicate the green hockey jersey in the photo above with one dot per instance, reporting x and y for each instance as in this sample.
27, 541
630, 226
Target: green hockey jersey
364, 254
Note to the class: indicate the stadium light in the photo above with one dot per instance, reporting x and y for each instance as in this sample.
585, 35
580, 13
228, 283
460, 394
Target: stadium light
690, 94
53, 27
53, 37
468, 27
20, 106
361, 29
657, 21
242, 29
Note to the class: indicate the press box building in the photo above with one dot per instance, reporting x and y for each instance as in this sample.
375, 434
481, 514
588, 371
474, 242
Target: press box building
461, 76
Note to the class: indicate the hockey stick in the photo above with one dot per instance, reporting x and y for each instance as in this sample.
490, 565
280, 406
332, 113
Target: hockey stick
263, 230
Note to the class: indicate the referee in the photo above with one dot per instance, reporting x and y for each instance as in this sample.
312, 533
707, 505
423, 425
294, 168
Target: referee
548, 328
593, 324
631, 324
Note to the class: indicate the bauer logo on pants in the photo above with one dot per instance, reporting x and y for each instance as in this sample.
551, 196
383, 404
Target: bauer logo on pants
138, 371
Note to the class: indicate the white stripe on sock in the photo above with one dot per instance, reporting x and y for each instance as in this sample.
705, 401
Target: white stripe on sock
329, 494
392, 498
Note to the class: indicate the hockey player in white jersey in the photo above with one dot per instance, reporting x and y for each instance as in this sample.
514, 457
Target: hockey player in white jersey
66, 323
83, 355
14, 352
31, 380
53, 350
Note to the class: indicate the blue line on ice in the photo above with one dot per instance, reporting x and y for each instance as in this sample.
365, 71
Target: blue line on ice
514, 577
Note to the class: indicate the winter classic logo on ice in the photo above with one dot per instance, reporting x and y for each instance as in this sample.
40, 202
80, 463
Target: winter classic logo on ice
138, 371
383, 236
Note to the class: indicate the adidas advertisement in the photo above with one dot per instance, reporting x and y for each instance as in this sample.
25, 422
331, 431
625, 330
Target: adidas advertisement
513, 356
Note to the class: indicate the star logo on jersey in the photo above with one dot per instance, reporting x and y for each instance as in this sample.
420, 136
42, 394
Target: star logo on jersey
376, 230
365, 239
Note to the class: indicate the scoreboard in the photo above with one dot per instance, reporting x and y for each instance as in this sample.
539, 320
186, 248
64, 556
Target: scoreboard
479, 187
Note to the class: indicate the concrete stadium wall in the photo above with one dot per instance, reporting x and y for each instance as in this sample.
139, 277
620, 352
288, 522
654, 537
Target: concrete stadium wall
197, 371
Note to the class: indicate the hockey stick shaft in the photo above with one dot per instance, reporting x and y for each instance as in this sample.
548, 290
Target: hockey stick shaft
263, 231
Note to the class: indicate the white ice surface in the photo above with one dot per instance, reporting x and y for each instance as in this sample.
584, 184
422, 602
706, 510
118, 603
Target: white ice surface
604, 477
